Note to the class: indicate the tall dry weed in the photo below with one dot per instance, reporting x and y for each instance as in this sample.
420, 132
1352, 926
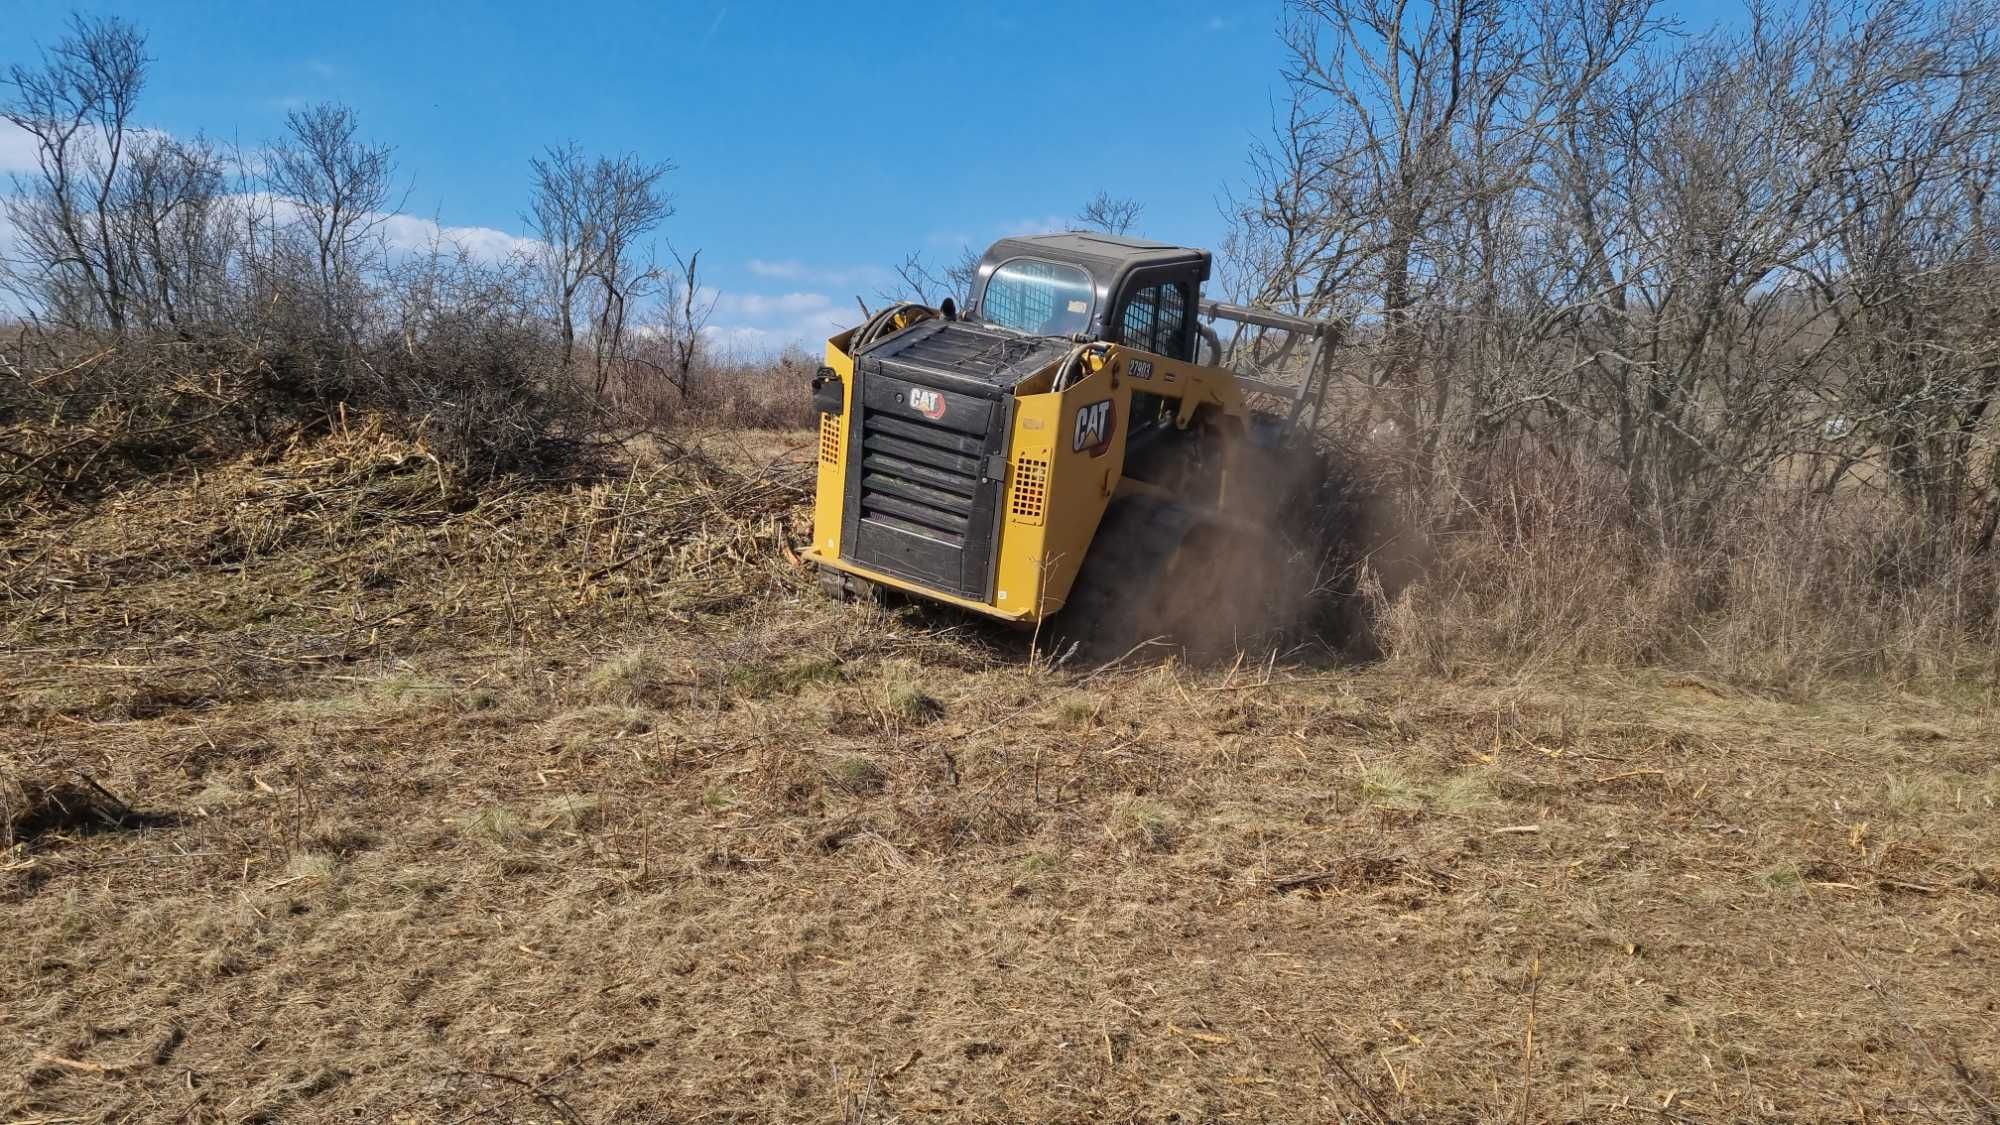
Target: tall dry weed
1541, 564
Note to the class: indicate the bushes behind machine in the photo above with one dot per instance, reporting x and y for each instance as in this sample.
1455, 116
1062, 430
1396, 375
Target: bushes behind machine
1534, 561
84, 411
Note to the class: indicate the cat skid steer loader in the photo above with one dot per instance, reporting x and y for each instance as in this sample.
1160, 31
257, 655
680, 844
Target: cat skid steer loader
1077, 446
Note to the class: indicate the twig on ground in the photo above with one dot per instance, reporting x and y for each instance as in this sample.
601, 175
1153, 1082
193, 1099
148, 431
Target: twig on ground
1334, 1066
1528, 1040
83, 1066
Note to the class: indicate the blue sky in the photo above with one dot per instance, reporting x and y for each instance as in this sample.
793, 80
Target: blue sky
815, 145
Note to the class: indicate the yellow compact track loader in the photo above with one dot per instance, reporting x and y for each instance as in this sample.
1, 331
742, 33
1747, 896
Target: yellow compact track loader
1077, 446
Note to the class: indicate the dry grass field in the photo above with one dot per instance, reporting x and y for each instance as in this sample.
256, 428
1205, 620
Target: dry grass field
336, 794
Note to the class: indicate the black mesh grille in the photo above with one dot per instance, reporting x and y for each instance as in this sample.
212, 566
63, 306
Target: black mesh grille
1155, 319
1173, 321
1135, 328
969, 357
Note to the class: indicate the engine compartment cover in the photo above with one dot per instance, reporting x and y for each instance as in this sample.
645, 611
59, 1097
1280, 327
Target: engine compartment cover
961, 356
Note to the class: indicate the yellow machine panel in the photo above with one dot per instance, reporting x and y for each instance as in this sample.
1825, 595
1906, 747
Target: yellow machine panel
827, 495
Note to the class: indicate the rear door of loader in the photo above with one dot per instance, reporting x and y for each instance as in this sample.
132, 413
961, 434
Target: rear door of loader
923, 494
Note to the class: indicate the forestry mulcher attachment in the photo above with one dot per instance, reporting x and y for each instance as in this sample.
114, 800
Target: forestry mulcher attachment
1076, 446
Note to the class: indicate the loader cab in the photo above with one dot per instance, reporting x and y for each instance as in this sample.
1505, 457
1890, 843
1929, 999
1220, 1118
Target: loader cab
1100, 286
1119, 290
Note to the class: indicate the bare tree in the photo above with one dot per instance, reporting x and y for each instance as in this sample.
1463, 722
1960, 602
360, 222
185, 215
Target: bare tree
1764, 254
340, 188
684, 311
1109, 214
175, 223
591, 214
1398, 85
77, 103
920, 281
1299, 240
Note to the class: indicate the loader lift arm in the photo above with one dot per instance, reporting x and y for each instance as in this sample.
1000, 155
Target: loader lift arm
1325, 335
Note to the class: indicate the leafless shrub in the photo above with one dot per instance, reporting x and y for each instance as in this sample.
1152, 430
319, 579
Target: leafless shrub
1550, 564
472, 358
176, 223
669, 353
765, 395
762, 393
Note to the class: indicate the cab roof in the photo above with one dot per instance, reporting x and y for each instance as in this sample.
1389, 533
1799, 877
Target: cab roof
1107, 256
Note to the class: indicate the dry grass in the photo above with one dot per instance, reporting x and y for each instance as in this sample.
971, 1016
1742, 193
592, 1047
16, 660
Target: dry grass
1538, 566
723, 396
573, 804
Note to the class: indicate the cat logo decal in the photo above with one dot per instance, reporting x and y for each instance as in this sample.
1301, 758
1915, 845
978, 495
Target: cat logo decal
927, 402
1095, 423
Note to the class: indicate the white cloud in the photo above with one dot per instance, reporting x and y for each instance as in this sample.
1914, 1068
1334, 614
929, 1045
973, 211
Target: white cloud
17, 148
1220, 23
410, 233
1047, 224
20, 151
790, 269
815, 327
735, 341
407, 234
759, 306
765, 323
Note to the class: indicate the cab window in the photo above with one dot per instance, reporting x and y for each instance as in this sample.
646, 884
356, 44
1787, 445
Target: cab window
1155, 319
1040, 298
1171, 335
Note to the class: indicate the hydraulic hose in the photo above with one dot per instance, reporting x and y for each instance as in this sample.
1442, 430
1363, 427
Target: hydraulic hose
887, 323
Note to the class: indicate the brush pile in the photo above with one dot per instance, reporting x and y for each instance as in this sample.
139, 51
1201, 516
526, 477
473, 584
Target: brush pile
80, 415
363, 541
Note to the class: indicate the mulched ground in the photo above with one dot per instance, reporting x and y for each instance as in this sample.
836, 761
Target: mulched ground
572, 804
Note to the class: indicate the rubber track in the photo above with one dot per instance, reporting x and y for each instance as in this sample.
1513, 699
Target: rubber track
1134, 542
